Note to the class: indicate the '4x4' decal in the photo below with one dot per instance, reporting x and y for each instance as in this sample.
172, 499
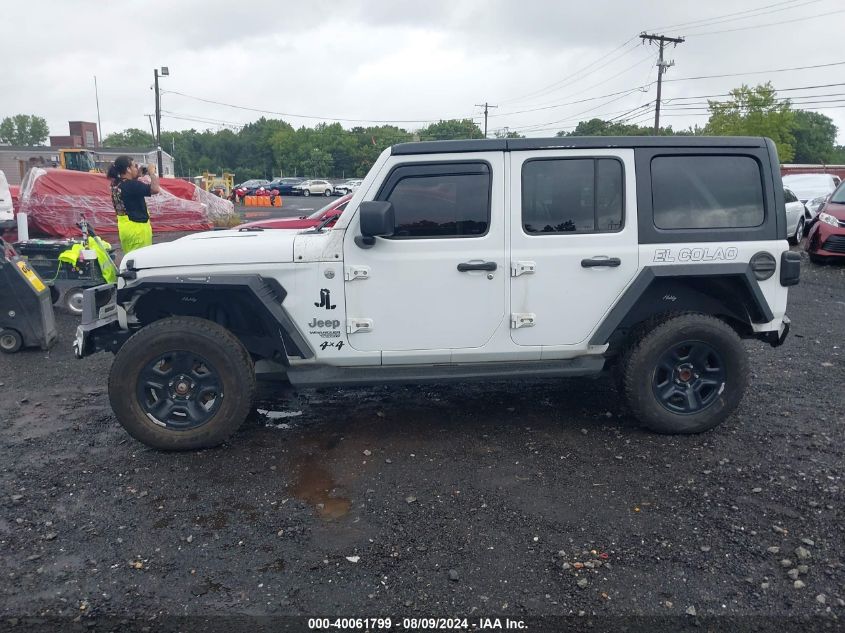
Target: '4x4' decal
325, 300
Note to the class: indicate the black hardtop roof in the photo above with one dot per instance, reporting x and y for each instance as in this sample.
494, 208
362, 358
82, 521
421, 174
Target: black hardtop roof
573, 142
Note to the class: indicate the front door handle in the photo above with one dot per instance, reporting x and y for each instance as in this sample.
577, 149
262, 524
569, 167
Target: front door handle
488, 266
595, 262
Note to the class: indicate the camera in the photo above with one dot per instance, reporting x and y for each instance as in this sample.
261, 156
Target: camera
144, 170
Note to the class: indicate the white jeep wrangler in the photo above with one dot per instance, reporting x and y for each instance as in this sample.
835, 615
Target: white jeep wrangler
459, 260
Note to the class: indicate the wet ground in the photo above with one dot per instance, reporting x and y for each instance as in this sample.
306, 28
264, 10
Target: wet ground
510, 499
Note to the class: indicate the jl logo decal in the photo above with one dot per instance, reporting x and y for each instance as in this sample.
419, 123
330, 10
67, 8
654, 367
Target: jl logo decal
325, 300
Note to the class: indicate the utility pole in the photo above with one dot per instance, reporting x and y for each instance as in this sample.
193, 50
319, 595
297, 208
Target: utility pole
152, 129
485, 105
164, 73
99, 126
661, 68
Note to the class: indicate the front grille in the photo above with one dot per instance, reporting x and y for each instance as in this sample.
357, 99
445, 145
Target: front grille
835, 244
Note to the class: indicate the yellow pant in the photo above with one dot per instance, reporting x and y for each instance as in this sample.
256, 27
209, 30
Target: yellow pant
133, 234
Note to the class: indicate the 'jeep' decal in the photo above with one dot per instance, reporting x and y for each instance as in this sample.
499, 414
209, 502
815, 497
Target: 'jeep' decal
709, 254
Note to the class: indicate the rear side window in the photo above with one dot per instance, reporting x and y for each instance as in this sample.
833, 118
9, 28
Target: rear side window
572, 195
443, 204
704, 192
788, 196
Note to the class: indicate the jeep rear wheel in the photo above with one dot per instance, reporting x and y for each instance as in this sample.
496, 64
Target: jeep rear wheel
686, 375
182, 383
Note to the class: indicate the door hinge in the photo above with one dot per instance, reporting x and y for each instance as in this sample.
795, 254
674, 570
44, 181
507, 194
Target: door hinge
359, 325
522, 268
523, 319
356, 272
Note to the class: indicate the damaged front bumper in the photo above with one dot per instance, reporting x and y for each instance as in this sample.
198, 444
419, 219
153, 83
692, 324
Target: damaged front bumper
100, 329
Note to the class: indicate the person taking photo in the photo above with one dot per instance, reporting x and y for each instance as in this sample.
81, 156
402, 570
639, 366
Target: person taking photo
128, 197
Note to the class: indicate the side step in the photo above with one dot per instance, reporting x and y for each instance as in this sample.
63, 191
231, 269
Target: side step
323, 375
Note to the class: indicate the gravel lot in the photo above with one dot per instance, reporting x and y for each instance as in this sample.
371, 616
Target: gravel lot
510, 499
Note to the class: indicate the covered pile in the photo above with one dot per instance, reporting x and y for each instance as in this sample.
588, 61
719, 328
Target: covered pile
57, 199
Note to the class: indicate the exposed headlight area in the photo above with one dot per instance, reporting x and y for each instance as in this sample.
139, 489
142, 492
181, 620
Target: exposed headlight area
828, 219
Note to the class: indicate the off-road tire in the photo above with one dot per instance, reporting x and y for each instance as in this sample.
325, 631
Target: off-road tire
641, 366
232, 366
10, 341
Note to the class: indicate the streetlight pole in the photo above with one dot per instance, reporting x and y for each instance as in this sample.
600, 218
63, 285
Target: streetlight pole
164, 73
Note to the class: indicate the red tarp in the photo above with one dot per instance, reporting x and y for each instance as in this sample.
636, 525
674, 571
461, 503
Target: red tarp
56, 199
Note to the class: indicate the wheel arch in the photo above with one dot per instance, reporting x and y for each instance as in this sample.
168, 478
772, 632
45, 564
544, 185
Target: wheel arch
729, 292
250, 306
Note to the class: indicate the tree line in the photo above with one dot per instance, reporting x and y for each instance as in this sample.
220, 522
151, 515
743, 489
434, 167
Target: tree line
269, 148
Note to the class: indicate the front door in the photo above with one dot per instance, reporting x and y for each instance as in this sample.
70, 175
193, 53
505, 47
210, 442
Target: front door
439, 282
574, 246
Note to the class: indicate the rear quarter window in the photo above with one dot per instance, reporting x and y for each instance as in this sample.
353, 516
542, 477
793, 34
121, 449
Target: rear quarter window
704, 192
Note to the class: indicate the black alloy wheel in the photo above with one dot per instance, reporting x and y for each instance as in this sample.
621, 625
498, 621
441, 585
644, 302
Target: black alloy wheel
689, 377
180, 390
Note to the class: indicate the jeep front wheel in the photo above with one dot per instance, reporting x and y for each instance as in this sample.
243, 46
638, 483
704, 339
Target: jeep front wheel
686, 375
182, 383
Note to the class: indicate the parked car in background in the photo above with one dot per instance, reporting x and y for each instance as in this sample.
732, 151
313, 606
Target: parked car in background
347, 186
797, 216
811, 189
314, 187
7, 214
255, 182
249, 187
283, 186
329, 212
826, 238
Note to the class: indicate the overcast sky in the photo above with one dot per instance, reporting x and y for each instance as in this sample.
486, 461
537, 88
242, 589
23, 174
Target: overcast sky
410, 61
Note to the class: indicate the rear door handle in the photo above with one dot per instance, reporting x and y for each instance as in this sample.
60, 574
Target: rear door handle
465, 267
595, 262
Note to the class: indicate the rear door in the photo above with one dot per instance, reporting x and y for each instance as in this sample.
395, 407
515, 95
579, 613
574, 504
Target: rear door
573, 241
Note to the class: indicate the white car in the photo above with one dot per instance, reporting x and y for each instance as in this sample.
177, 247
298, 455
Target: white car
811, 189
347, 186
7, 214
797, 216
316, 187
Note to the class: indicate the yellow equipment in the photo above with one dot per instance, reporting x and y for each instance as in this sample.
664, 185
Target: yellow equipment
77, 160
214, 183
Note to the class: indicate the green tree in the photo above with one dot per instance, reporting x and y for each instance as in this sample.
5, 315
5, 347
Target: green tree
24, 130
451, 129
755, 112
506, 133
838, 155
133, 137
815, 137
599, 127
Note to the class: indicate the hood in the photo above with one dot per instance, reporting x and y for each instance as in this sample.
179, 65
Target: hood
836, 209
217, 247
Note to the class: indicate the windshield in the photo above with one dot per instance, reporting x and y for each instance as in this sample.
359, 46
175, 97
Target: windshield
318, 215
838, 195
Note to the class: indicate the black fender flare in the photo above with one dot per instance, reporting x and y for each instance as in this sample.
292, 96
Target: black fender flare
683, 288
268, 295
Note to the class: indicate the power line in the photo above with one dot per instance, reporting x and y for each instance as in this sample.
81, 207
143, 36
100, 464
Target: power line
546, 89
308, 116
759, 72
760, 26
729, 17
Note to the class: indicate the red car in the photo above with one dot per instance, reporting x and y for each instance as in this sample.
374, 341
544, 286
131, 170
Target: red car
329, 212
826, 238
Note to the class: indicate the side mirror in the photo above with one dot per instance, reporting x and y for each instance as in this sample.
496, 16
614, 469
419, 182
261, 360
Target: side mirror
377, 220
